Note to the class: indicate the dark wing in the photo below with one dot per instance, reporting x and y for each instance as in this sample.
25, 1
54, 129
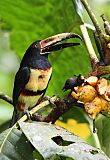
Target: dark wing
21, 79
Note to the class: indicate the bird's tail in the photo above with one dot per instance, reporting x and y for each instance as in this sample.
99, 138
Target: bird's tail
15, 117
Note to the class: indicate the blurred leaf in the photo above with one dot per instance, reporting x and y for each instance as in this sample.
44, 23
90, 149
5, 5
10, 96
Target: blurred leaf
14, 145
77, 113
91, 140
61, 18
51, 141
4, 113
8, 66
28, 20
79, 8
37, 155
99, 7
103, 131
6, 54
4, 126
76, 128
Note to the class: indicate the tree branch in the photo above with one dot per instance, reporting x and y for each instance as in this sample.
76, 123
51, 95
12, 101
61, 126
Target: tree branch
102, 70
92, 16
6, 98
38, 107
93, 57
102, 36
62, 106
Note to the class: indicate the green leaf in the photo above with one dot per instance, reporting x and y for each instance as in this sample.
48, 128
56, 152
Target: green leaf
37, 155
14, 145
51, 141
79, 8
4, 126
27, 21
103, 131
77, 113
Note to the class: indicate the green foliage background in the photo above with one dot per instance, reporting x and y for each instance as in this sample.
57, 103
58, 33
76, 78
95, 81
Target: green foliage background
22, 22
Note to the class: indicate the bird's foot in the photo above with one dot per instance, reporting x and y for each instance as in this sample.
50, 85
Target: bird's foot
28, 114
49, 99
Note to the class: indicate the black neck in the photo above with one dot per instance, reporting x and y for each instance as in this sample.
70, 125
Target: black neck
34, 59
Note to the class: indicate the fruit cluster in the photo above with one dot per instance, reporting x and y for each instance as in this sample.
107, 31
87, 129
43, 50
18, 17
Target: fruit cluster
95, 94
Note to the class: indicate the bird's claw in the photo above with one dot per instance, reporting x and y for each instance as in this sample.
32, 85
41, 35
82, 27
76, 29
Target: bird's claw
50, 100
28, 114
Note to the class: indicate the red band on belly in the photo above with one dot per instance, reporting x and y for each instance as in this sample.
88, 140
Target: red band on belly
21, 107
26, 92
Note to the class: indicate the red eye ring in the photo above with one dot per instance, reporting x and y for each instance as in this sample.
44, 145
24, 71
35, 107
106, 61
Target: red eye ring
33, 46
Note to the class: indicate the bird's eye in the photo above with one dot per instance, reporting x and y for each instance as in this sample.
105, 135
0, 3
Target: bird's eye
36, 46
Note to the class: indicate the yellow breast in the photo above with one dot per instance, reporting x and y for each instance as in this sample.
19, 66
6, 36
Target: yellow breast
38, 79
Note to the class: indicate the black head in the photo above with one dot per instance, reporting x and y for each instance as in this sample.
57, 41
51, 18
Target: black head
32, 57
73, 82
40, 49
34, 49
51, 44
69, 84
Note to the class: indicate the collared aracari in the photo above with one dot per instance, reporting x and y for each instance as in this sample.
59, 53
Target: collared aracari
33, 76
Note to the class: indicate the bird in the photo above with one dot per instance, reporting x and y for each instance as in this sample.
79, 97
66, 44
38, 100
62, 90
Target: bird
73, 82
34, 73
